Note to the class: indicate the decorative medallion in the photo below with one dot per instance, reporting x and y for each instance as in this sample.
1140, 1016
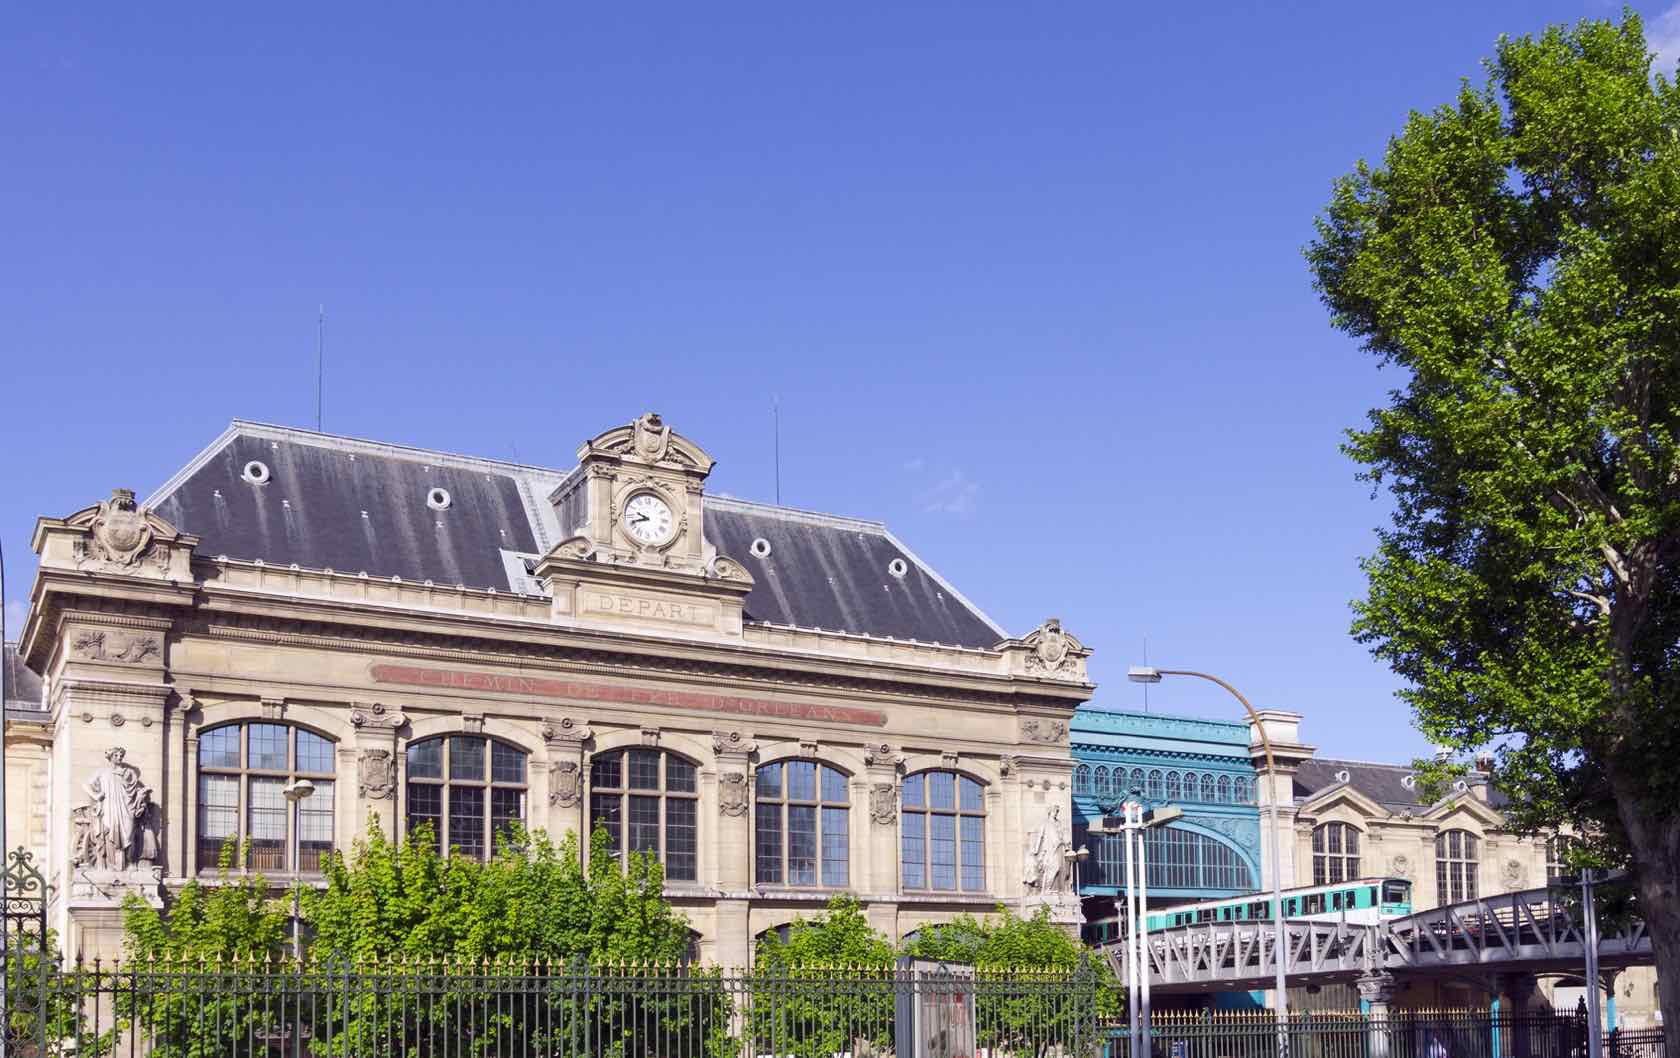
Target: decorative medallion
376, 773
883, 803
119, 535
1043, 729
1514, 874
650, 437
732, 793
1051, 651
1400, 866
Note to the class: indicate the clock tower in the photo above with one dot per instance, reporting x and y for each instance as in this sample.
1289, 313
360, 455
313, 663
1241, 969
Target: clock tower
636, 553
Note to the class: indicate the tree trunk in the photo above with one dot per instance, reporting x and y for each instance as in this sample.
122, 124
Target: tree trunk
1655, 840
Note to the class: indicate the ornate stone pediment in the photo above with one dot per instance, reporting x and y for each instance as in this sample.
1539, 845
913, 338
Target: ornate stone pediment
117, 536
1049, 652
649, 439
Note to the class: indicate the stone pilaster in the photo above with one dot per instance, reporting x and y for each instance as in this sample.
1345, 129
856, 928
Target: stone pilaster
733, 797
558, 790
371, 764
881, 765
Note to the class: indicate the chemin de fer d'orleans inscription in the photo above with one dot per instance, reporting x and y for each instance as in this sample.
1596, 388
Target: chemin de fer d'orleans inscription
577, 690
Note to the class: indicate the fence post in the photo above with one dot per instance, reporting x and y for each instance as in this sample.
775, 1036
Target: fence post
1376, 992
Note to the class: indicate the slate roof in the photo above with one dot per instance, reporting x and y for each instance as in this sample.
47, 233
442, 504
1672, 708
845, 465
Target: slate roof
356, 506
1382, 783
23, 687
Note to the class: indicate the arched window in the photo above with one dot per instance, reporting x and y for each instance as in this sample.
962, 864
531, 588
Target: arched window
1174, 791
648, 800
801, 819
1243, 791
1102, 788
1153, 788
1335, 848
943, 822
243, 772
1455, 866
1137, 782
1224, 789
1175, 858
468, 788
1189, 786
1207, 787
1082, 779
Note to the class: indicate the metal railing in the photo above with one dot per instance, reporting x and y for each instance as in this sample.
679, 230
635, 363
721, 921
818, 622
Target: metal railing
437, 1009
1405, 1034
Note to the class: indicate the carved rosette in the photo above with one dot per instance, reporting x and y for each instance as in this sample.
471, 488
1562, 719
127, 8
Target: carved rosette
376, 774
566, 731
732, 793
375, 716
881, 755
733, 745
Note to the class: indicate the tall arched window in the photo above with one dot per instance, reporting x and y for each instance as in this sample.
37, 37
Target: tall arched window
1243, 791
1189, 786
1335, 848
469, 788
1175, 858
1224, 789
943, 825
243, 771
649, 801
1153, 788
1082, 779
1102, 787
1207, 787
1137, 782
801, 825
1174, 791
1455, 866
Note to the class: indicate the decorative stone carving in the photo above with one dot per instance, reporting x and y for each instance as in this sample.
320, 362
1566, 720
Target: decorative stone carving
1043, 729
650, 736
578, 547
273, 708
376, 716
1046, 867
376, 773
472, 723
732, 743
1008, 763
732, 793
1052, 652
119, 536
948, 759
883, 803
117, 829
566, 784
1514, 875
126, 648
1400, 866
566, 730
650, 438
880, 755
729, 569
1245, 832
808, 750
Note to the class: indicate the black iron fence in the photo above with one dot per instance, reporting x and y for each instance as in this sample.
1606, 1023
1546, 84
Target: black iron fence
1405, 1034
523, 1010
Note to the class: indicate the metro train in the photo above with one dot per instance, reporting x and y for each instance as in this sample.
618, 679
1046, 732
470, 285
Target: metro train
1364, 901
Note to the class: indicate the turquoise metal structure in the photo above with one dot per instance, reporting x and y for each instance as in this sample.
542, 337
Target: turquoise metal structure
1200, 766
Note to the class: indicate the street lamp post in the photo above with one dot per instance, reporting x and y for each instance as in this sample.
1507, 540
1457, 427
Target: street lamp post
1146, 674
296, 792
1135, 820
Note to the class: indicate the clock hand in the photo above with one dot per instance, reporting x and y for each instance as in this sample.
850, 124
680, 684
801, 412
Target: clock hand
637, 516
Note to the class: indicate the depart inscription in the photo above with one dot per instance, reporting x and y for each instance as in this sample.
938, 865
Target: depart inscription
648, 609
462, 679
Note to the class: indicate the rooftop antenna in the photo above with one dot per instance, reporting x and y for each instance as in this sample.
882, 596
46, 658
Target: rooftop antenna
776, 410
320, 361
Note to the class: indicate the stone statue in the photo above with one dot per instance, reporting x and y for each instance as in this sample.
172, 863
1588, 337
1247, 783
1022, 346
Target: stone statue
1046, 869
115, 829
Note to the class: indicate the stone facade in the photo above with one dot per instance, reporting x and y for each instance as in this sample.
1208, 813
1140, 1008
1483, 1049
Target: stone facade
224, 658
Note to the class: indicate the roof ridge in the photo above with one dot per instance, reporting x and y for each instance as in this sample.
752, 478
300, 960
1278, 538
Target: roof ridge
1362, 763
725, 501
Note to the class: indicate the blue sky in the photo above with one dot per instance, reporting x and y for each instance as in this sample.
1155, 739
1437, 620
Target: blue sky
1026, 279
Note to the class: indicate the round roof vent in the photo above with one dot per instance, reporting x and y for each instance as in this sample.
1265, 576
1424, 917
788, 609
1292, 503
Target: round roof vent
1461, 786
256, 472
1343, 776
1409, 782
897, 567
760, 547
438, 499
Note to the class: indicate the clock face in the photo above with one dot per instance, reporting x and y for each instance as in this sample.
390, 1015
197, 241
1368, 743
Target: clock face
647, 519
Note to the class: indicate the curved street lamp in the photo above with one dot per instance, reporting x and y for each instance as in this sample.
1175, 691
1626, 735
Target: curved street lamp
1147, 674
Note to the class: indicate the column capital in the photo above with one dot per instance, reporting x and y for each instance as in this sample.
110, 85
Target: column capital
1377, 989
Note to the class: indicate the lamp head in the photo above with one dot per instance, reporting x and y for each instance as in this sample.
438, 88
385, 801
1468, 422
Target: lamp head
1143, 674
298, 789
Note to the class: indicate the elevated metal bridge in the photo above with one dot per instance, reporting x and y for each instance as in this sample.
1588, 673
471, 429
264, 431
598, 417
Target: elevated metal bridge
1527, 931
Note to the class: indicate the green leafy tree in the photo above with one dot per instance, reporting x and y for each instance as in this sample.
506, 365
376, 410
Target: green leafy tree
1024, 962
198, 968
825, 988
1517, 256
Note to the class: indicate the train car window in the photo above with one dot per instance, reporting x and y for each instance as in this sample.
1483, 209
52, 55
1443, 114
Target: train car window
1394, 893
1335, 901
1257, 909
1204, 915
1315, 903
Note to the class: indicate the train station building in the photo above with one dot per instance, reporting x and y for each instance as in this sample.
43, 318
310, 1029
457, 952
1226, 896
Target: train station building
779, 704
